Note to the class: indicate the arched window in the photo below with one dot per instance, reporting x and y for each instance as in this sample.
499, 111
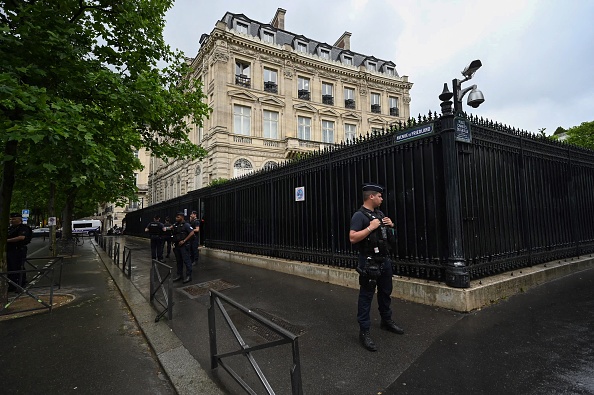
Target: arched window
270, 165
198, 178
242, 167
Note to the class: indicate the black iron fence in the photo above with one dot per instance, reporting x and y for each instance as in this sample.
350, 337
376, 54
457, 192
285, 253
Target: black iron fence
469, 197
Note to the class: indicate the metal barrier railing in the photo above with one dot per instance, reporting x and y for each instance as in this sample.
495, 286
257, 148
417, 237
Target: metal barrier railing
116, 254
109, 248
162, 279
245, 350
53, 262
127, 261
45, 272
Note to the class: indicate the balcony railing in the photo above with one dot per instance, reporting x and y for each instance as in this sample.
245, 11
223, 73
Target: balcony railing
242, 80
271, 87
394, 111
303, 94
328, 99
349, 103
376, 108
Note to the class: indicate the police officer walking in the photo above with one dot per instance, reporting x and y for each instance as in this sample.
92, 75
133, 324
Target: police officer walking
372, 232
19, 235
194, 251
182, 233
155, 229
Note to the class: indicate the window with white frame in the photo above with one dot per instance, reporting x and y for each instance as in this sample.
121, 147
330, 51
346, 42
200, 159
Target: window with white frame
270, 124
327, 93
328, 131
242, 167
349, 94
270, 165
375, 103
393, 101
347, 60
270, 80
241, 119
390, 70
268, 37
350, 131
303, 128
242, 73
301, 46
303, 88
324, 53
241, 27
371, 66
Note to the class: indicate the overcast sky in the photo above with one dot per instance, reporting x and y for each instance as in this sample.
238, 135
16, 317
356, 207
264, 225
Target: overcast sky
538, 56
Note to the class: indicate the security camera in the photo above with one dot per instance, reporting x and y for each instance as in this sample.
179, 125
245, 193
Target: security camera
475, 98
469, 71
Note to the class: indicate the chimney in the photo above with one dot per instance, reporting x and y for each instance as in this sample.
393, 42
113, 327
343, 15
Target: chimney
279, 19
344, 41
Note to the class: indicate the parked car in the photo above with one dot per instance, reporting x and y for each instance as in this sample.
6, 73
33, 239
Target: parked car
45, 232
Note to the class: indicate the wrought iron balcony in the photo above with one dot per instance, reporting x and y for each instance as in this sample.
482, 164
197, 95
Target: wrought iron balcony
376, 108
394, 111
242, 80
270, 86
303, 94
349, 103
328, 99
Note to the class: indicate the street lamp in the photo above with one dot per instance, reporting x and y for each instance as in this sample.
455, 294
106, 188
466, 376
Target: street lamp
475, 98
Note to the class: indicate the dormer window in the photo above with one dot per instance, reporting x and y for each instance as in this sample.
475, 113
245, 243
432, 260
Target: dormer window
371, 66
348, 60
268, 37
241, 27
390, 70
324, 54
301, 47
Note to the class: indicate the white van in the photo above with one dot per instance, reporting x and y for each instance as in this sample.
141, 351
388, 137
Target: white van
86, 226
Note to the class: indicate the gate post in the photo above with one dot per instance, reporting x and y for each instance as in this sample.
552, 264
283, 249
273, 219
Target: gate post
456, 271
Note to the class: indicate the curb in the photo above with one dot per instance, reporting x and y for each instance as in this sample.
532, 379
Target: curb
184, 372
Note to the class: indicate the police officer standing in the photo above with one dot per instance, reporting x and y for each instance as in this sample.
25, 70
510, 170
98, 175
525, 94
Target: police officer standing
372, 232
155, 229
195, 224
167, 236
19, 235
182, 233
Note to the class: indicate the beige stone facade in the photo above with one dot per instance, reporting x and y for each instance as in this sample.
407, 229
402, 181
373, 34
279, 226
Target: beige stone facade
275, 95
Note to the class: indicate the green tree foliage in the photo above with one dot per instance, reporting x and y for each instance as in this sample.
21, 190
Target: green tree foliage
582, 135
80, 89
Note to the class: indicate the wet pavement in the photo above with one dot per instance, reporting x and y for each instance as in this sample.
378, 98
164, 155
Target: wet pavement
537, 342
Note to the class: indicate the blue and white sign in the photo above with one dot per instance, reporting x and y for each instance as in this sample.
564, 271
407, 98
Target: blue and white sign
463, 130
300, 194
414, 133
25, 213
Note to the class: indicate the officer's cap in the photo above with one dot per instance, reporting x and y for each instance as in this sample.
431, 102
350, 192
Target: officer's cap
180, 213
372, 187
16, 215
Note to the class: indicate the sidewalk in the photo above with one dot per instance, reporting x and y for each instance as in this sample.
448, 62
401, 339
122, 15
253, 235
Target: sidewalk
532, 343
452, 345
91, 345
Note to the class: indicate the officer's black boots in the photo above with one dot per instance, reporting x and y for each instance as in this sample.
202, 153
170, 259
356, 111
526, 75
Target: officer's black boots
187, 280
178, 278
391, 326
365, 338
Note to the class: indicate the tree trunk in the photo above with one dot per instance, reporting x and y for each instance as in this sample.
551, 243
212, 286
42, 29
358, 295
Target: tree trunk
52, 213
6, 187
67, 213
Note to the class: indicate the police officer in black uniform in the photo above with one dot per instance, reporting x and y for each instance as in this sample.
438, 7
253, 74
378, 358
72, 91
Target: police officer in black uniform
167, 236
195, 224
182, 233
19, 235
155, 229
373, 233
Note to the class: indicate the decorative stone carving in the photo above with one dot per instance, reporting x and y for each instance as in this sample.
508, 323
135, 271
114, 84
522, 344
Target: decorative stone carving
406, 99
219, 56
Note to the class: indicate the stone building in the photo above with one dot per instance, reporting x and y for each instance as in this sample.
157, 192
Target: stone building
276, 94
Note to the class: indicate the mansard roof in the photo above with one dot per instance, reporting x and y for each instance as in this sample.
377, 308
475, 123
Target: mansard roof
286, 37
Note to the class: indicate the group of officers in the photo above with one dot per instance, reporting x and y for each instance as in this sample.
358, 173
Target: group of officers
371, 232
185, 239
